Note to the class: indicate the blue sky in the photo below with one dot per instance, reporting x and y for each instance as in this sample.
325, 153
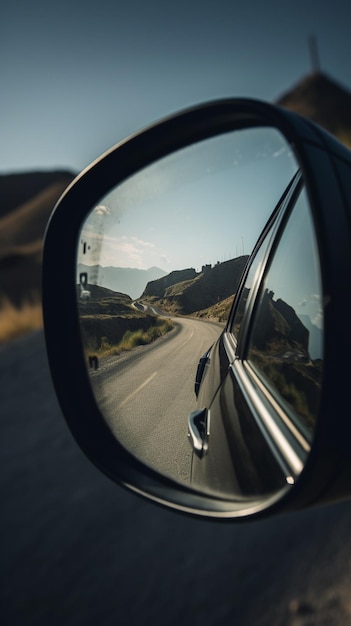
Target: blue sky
203, 204
76, 77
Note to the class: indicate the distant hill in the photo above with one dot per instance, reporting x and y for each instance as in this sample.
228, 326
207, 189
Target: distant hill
202, 290
18, 188
130, 281
158, 288
321, 99
26, 202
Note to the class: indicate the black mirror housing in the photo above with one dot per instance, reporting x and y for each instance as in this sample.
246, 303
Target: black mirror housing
326, 168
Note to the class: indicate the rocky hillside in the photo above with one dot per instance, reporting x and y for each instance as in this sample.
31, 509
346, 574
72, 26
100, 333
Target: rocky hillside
195, 291
158, 288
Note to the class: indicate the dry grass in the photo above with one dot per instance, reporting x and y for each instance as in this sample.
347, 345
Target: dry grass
130, 339
15, 322
218, 312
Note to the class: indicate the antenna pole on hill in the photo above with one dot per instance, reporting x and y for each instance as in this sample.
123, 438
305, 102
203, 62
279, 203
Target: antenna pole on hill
314, 54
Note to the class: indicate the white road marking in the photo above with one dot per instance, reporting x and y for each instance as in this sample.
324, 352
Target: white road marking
184, 342
136, 391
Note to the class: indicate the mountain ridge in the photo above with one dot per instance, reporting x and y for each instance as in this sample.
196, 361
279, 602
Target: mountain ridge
127, 280
196, 291
26, 202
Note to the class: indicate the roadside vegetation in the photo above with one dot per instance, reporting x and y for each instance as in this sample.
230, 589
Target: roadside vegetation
111, 324
132, 339
17, 321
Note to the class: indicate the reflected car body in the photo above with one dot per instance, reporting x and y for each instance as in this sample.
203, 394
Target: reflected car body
258, 387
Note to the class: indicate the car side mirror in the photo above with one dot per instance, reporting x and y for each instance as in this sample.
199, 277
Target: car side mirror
157, 266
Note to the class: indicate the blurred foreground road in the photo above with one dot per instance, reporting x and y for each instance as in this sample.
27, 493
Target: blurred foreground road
78, 550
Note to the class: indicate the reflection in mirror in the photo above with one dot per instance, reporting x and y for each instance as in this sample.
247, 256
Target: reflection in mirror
287, 335
158, 264
262, 417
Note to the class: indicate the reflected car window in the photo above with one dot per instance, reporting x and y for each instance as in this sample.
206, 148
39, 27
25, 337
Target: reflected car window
286, 342
235, 327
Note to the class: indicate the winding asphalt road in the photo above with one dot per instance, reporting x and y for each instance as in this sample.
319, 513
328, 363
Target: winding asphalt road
77, 550
147, 395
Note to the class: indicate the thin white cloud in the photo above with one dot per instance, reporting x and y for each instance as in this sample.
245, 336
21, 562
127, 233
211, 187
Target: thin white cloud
313, 308
124, 251
317, 320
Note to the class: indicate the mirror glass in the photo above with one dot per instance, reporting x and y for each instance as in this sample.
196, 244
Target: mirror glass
158, 264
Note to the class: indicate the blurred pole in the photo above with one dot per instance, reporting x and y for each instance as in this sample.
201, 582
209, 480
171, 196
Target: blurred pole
314, 54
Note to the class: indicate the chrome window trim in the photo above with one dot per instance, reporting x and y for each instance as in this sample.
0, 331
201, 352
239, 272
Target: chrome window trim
296, 433
230, 344
285, 441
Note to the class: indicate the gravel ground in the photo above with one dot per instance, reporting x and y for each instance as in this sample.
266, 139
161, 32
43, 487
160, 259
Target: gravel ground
78, 550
